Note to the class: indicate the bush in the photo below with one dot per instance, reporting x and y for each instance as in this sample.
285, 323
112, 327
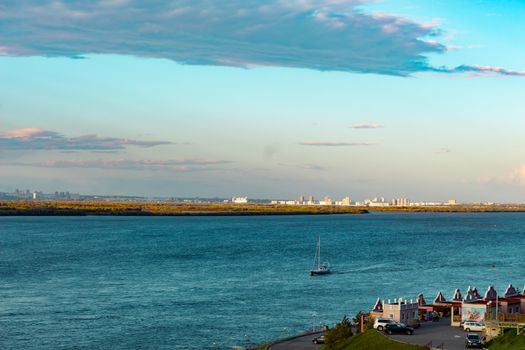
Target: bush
341, 332
369, 321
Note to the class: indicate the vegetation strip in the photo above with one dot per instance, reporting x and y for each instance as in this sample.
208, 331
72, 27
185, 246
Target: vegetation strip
80, 208
150, 208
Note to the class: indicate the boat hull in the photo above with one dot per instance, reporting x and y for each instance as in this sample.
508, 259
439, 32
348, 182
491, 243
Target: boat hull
319, 272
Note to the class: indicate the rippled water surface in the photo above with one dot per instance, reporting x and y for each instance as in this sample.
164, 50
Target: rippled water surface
214, 282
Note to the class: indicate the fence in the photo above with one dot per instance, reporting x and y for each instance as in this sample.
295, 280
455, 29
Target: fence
505, 317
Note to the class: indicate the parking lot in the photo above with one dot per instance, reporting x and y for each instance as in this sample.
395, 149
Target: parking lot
439, 333
452, 338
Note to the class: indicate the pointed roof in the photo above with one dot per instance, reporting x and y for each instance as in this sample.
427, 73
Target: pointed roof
476, 293
378, 305
421, 299
490, 294
511, 291
457, 295
471, 295
440, 298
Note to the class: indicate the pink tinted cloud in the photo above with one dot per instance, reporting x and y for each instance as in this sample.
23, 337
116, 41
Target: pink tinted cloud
475, 70
39, 139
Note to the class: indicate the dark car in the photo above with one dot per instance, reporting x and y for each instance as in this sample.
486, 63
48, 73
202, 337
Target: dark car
392, 328
318, 340
473, 340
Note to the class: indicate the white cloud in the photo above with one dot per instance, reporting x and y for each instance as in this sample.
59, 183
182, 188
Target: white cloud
516, 176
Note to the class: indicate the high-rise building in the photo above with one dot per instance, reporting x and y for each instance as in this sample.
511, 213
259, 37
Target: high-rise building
401, 202
346, 201
310, 199
327, 201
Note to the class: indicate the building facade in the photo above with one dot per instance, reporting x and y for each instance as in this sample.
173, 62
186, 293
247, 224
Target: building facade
400, 310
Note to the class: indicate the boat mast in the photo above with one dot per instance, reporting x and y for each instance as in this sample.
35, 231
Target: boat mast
316, 258
319, 253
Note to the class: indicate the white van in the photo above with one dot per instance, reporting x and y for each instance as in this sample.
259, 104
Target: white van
380, 323
473, 326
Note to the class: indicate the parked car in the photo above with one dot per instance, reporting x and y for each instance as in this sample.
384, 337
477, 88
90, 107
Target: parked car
380, 323
392, 328
473, 340
472, 326
318, 340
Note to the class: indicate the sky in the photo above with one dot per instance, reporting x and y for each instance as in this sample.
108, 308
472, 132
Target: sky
266, 99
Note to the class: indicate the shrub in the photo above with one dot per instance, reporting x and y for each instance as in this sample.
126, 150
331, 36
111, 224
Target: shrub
341, 332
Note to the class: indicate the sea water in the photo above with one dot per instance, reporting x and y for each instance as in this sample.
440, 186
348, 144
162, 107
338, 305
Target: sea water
216, 282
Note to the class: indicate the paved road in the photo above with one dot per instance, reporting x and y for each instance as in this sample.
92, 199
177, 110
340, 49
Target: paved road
301, 343
453, 338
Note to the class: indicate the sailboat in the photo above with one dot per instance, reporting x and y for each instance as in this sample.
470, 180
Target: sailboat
319, 268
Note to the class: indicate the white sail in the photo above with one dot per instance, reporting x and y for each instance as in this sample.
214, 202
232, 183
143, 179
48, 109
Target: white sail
319, 268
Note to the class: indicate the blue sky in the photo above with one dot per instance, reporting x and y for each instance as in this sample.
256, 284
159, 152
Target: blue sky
265, 99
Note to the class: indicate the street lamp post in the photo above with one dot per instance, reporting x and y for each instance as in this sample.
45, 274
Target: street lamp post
497, 305
497, 294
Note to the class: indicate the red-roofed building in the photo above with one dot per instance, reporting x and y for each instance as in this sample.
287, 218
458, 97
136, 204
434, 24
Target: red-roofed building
471, 307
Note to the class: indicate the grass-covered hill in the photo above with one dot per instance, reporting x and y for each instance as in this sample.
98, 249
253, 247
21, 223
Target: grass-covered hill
373, 340
510, 340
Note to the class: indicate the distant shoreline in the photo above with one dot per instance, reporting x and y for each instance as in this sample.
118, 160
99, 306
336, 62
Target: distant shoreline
144, 208
104, 208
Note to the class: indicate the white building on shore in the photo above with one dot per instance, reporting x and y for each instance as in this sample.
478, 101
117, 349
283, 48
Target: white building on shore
240, 200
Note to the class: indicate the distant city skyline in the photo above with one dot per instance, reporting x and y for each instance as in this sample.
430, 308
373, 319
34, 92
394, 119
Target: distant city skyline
341, 200
423, 100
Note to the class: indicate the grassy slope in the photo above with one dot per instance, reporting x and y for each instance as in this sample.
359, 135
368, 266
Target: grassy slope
373, 340
509, 341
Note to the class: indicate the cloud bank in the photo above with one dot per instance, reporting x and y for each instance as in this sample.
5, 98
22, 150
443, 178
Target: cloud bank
481, 70
332, 35
516, 176
181, 165
443, 150
305, 166
365, 126
334, 144
322, 35
38, 139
